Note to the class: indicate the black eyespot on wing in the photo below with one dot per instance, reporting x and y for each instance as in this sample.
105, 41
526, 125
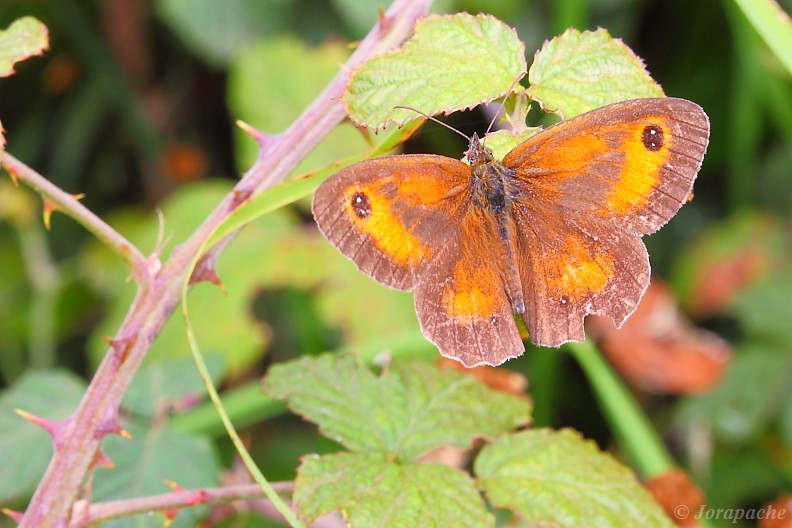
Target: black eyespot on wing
361, 205
652, 138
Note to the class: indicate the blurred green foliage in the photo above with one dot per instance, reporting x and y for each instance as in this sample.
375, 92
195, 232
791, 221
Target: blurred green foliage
134, 106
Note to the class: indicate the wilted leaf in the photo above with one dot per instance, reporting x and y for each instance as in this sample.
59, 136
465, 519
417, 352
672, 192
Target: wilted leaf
560, 479
673, 489
404, 413
725, 259
580, 71
25, 37
658, 349
452, 62
372, 491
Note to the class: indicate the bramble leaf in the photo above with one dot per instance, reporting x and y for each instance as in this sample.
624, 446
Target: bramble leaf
577, 72
559, 479
25, 37
453, 62
404, 413
371, 491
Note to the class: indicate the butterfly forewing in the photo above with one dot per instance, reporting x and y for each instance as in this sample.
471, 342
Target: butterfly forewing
385, 214
631, 163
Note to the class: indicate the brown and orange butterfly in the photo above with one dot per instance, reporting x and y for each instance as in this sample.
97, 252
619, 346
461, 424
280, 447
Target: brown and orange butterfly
551, 233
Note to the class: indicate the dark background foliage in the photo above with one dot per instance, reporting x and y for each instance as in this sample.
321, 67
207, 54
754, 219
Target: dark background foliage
134, 106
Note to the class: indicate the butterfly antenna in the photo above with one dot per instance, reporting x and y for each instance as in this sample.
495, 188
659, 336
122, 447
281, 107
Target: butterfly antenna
427, 116
502, 107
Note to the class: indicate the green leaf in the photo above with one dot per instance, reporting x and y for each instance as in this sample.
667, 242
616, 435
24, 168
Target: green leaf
785, 421
160, 384
502, 141
218, 31
578, 72
751, 393
25, 37
26, 448
403, 413
154, 455
772, 23
452, 63
558, 478
371, 491
272, 82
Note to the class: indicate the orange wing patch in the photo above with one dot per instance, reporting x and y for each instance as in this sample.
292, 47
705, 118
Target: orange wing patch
648, 146
475, 293
575, 274
372, 212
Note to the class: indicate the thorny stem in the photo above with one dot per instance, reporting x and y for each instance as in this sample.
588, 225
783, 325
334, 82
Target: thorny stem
71, 206
86, 514
78, 442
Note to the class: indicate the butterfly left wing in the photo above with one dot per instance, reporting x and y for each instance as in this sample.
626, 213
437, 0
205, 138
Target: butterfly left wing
588, 188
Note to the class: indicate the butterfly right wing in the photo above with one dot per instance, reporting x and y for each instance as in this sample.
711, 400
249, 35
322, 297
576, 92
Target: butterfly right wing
590, 186
392, 216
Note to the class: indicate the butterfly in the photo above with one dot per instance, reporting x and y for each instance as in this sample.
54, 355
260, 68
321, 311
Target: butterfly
551, 233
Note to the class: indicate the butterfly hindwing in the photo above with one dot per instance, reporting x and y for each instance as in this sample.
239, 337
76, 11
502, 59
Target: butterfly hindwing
461, 299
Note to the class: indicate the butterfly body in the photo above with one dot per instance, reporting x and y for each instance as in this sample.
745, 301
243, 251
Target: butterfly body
493, 190
551, 233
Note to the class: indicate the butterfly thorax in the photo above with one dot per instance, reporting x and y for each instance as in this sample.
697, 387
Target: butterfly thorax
491, 184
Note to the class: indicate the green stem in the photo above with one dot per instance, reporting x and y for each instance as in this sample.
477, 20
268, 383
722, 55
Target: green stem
629, 423
772, 24
246, 404
545, 369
